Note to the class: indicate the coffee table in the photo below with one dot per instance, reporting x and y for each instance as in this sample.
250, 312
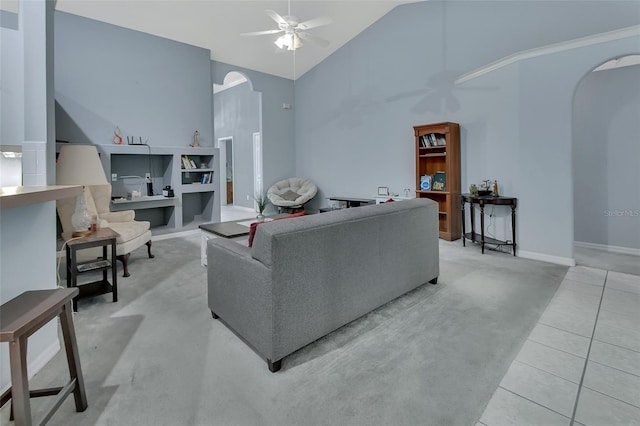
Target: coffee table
232, 230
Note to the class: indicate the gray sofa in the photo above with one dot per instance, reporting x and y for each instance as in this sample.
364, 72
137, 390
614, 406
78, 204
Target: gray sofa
306, 277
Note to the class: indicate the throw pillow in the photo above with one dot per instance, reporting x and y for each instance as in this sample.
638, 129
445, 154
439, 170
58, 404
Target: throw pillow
390, 200
254, 225
289, 195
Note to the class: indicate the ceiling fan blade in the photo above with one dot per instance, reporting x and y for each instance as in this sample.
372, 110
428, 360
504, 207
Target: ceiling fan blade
276, 17
257, 33
314, 39
313, 23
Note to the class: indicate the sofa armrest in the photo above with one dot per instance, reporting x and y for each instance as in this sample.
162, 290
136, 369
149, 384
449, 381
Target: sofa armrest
240, 292
122, 216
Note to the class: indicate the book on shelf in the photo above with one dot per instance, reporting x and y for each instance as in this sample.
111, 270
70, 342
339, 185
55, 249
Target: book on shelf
425, 183
193, 164
438, 182
186, 164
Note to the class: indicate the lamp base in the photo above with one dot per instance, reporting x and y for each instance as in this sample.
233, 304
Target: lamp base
76, 234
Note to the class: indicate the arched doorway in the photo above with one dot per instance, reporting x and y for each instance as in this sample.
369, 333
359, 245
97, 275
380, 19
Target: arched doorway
606, 166
237, 120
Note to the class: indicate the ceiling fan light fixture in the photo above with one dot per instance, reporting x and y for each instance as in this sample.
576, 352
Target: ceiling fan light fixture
290, 41
281, 42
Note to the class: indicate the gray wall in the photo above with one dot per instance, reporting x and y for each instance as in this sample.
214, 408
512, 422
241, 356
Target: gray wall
278, 145
12, 77
355, 110
108, 76
237, 114
606, 158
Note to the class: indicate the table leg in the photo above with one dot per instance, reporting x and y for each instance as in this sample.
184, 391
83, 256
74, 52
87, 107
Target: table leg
513, 227
74, 276
114, 272
473, 222
463, 231
482, 227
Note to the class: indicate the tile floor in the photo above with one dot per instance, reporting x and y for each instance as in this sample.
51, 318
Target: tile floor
581, 363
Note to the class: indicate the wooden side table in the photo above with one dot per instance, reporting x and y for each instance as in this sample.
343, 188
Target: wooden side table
102, 237
482, 201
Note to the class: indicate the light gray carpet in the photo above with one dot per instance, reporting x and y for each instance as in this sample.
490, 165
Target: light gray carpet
434, 356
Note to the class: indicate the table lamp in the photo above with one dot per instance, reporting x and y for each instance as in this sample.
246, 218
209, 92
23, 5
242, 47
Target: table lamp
80, 165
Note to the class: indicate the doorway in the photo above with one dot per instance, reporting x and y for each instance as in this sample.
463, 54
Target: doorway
225, 145
606, 166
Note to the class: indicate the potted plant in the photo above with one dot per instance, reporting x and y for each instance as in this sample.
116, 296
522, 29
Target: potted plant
261, 203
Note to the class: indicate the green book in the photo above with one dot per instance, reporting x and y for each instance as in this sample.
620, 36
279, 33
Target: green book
438, 182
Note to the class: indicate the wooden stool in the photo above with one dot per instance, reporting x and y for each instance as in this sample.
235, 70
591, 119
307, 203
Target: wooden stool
20, 318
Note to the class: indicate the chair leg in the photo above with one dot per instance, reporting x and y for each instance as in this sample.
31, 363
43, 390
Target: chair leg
124, 258
148, 243
73, 357
19, 381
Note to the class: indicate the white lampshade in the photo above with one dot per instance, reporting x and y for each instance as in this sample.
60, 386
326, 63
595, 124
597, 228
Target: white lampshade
79, 165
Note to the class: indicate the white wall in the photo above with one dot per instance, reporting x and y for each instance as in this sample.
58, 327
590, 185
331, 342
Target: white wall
28, 262
12, 81
606, 154
355, 110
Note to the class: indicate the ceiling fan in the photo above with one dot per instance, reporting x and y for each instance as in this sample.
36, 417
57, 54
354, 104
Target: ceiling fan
294, 31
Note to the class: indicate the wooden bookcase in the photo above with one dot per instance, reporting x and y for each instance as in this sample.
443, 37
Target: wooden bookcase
441, 153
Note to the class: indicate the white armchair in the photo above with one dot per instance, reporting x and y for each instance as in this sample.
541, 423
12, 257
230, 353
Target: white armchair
133, 233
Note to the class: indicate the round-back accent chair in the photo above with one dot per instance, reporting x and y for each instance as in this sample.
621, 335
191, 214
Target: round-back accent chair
291, 193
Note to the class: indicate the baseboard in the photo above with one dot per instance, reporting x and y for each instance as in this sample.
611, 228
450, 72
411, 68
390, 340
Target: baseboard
611, 249
566, 261
37, 364
175, 235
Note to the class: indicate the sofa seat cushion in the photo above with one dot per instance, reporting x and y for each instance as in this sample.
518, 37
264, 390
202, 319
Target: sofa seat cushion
129, 230
254, 225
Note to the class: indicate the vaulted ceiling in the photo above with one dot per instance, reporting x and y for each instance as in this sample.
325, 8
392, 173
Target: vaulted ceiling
217, 25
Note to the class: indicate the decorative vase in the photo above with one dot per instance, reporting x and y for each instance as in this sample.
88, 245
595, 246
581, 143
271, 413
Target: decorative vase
260, 217
81, 220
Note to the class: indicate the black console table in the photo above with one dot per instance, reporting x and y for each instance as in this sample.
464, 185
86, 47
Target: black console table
483, 201
353, 202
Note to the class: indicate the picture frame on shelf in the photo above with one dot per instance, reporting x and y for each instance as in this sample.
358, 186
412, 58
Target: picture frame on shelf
383, 190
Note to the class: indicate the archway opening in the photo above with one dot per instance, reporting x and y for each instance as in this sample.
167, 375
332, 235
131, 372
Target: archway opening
606, 166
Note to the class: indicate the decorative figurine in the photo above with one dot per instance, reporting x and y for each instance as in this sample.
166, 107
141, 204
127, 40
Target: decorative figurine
495, 189
195, 139
117, 139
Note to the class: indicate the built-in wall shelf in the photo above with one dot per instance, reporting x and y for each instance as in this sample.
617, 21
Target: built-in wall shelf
194, 201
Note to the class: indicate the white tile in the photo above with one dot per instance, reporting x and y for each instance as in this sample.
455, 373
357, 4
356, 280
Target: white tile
581, 323
574, 306
577, 286
623, 302
552, 361
579, 294
506, 408
617, 319
560, 339
616, 357
541, 387
595, 409
611, 333
614, 383
586, 275
624, 282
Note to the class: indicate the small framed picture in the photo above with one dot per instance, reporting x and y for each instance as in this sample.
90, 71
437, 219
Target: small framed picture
383, 190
